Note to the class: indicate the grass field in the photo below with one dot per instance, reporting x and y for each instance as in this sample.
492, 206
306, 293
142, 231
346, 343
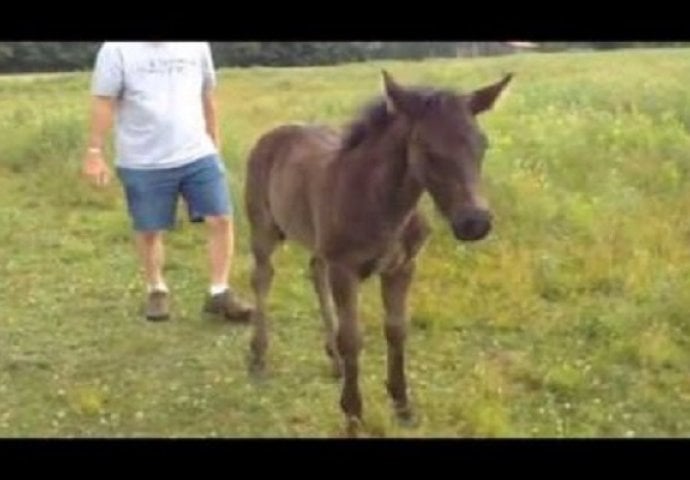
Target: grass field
571, 320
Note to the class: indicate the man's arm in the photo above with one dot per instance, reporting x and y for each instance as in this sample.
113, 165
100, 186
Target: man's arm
94, 167
208, 94
102, 114
211, 116
107, 84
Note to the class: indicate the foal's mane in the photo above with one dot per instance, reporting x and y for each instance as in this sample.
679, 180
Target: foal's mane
376, 117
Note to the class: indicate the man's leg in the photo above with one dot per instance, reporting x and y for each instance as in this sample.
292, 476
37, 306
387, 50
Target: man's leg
220, 249
207, 194
151, 255
151, 201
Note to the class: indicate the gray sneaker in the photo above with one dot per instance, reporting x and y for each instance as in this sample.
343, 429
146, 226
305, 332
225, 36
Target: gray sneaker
228, 306
157, 306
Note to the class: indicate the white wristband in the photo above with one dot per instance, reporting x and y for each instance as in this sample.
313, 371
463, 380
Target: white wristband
94, 150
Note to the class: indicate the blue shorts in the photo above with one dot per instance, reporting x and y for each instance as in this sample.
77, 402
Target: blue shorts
152, 195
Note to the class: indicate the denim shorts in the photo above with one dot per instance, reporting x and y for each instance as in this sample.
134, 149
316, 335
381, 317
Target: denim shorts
152, 195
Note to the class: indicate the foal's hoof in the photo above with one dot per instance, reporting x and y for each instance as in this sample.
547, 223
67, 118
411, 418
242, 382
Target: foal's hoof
406, 417
256, 367
353, 427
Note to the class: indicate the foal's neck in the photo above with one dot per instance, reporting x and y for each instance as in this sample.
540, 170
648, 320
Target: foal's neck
393, 188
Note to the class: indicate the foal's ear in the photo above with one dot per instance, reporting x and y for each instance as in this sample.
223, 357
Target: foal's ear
397, 98
483, 99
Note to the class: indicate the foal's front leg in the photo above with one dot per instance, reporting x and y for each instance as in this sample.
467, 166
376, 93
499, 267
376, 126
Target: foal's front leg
344, 287
395, 286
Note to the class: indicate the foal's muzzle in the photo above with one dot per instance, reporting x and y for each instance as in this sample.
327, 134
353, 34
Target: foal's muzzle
472, 225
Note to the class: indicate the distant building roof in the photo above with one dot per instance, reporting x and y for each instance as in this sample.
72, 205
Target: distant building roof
522, 44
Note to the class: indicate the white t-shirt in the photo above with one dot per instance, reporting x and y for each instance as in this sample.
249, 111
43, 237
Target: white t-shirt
160, 118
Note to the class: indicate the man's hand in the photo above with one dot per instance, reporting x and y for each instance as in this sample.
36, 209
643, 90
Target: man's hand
95, 168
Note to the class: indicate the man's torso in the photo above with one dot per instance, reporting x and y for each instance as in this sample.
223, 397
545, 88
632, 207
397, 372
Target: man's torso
160, 117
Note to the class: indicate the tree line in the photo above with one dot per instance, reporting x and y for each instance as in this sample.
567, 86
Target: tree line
27, 57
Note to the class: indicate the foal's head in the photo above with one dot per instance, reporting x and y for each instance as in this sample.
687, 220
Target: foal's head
446, 147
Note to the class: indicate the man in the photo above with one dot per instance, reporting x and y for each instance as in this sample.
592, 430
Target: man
161, 96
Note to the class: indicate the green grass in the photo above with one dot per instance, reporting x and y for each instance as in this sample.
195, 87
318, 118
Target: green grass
571, 320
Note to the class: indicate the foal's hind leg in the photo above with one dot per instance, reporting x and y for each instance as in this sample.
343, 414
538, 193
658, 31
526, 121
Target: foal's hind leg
262, 275
394, 289
319, 274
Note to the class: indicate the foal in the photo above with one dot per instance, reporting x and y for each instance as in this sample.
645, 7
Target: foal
351, 201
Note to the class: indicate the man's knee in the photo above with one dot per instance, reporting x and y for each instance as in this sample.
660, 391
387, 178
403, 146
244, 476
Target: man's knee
149, 237
219, 222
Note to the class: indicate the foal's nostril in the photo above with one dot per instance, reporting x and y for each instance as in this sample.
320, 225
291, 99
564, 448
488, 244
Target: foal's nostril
472, 226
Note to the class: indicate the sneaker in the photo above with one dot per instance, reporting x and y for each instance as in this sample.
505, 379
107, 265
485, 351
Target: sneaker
227, 305
157, 306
